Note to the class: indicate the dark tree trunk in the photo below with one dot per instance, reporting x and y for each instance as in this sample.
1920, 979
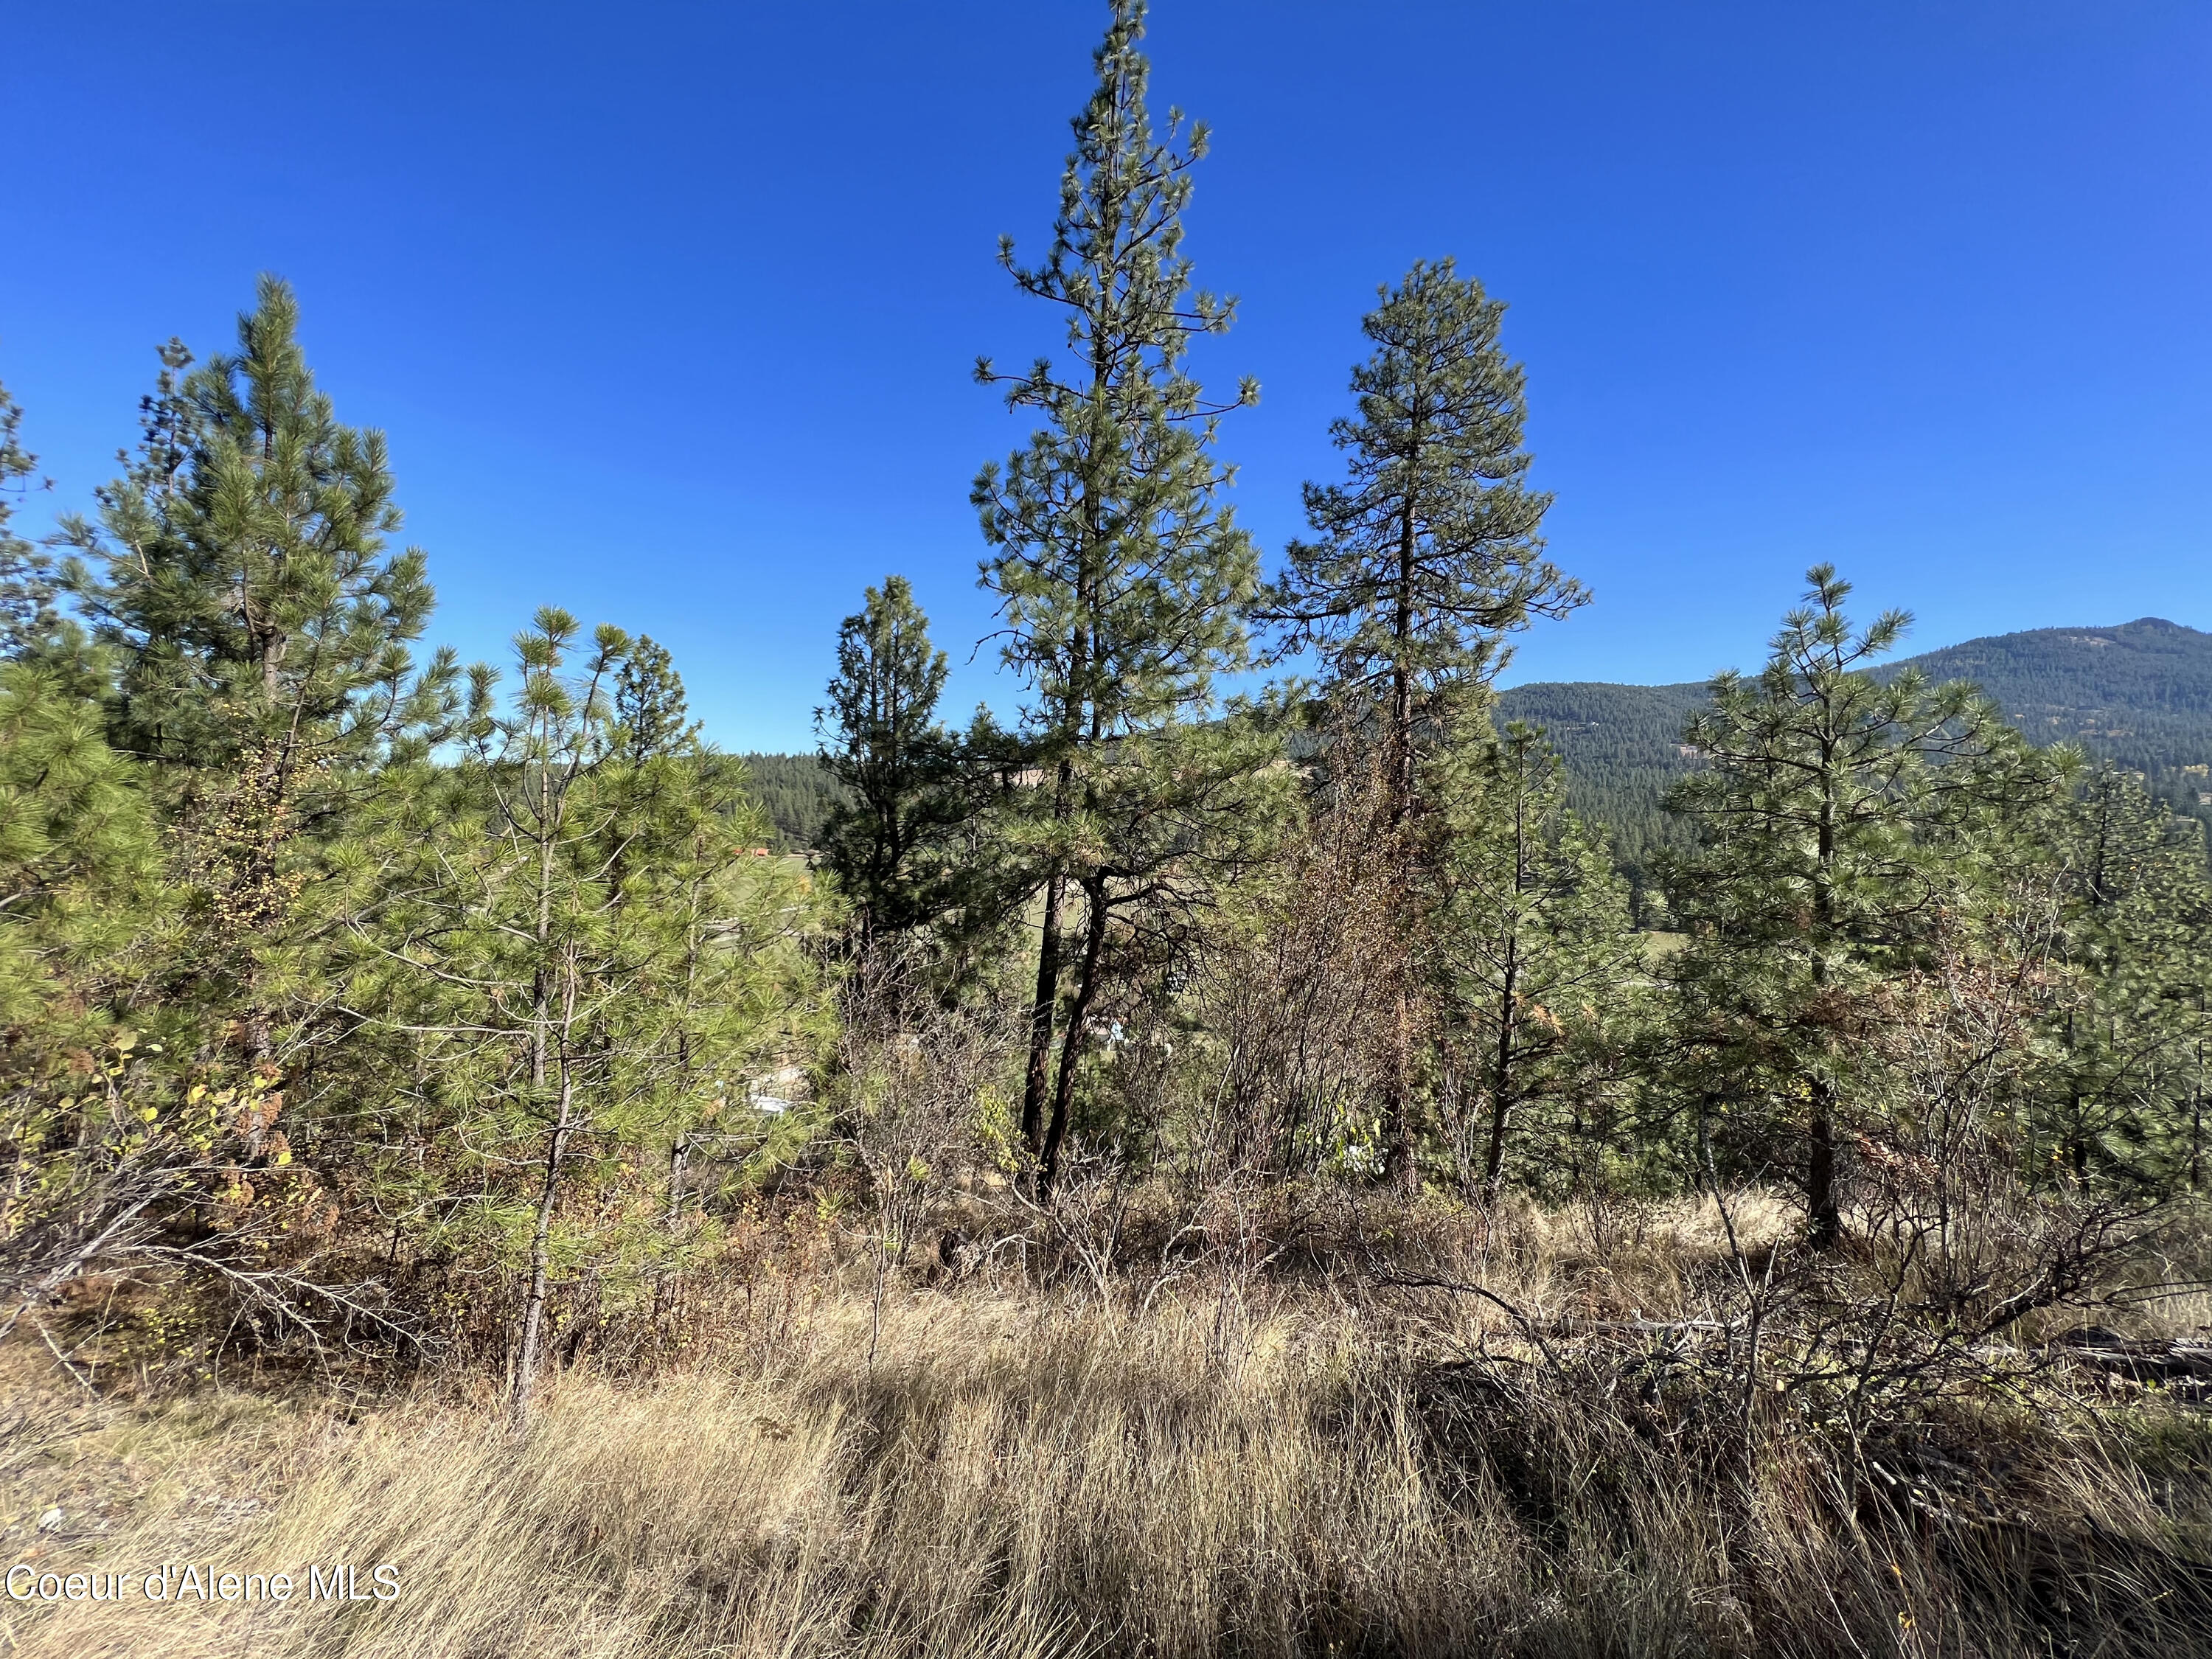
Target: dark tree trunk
1044, 1005
1823, 1203
1071, 1042
1502, 1100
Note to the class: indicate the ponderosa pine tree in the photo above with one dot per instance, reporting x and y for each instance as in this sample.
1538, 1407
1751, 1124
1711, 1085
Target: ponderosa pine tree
1531, 934
1426, 557
27, 586
584, 960
78, 850
242, 569
880, 737
1825, 808
79, 866
651, 712
2123, 1093
1121, 575
1430, 552
239, 577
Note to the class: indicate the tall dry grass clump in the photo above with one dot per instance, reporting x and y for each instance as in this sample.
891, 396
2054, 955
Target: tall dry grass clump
1227, 1464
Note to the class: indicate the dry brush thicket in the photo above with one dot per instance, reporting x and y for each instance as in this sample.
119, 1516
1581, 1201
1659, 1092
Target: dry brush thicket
1300, 1422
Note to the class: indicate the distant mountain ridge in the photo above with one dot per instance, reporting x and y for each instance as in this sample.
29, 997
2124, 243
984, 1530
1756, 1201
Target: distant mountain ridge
2139, 694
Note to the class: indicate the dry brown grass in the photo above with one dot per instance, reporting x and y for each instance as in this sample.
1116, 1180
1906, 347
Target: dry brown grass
1244, 1466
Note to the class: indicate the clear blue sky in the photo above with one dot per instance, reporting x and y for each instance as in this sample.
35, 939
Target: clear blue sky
668, 308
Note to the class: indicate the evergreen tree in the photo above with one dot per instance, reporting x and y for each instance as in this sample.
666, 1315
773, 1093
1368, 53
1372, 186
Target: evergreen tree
240, 570
1532, 935
2123, 1093
1123, 578
79, 865
1430, 552
28, 585
77, 848
650, 708
1829, 813
880, 737
239, 579
1427, 554
585, 961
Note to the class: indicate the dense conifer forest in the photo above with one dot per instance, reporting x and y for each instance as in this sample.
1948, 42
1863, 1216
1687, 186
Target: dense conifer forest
1369, 1163
798, 793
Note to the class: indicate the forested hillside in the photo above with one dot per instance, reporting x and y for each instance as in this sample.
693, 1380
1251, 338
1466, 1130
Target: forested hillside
2139, 694
1622, 746
797, 792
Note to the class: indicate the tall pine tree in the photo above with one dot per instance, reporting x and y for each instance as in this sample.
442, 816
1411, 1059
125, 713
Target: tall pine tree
241, 570
1426, 555
1121, 575
239, 578
1429, 552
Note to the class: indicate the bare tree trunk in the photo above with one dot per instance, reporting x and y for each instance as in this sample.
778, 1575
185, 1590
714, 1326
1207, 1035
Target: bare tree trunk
1071, 1045
1501, 1088
1044, 1005
533, 1311
1823, 1205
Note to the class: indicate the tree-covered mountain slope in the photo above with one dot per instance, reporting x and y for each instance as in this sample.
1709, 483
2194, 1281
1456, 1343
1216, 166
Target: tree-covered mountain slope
1622, 746
2139, 694
797, 792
